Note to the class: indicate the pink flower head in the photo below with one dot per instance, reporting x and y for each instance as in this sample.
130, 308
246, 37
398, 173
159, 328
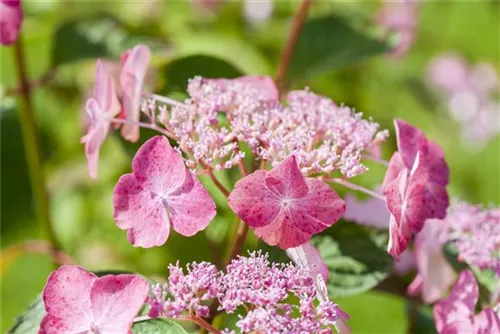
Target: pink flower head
135, 65
11, 18
160, 192
77, 301
435, 275
414, 185
455, 314
283, 207
101, 108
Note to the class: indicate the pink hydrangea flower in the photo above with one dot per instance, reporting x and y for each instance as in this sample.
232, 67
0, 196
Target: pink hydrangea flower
77, 301
135, 65
160, 192
435, 275
414, 185
455, 314
283, 207
11, 18
101, 108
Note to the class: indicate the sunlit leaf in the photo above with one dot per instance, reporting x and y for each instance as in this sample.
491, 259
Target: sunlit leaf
355, 256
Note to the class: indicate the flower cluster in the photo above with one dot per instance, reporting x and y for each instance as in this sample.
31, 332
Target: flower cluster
475, 232
470, 95
219, 113
251, 283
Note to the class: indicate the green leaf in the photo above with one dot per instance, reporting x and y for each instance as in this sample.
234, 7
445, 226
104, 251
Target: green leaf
451, 254
328, 43
238, 52
155, 326
355, 256
177, 72
29, 321
83, 39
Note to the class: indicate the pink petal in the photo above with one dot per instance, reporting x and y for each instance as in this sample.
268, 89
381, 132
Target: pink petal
131, 81
434, 270
454, 313
282, 232
436, 201
252, 200
405, 199
105, 91
487, 322
399, 238
48, 325
67, 300
94, 139
396, 165
319, 209
371, 212
116, 300
284, 207
286, 179
11, 18
406, 263
308, 256
191, 207
410, 141
158, 167
465, 291
141, 213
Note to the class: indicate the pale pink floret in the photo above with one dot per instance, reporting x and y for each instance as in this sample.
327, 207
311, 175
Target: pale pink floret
158, 193
283, 207
11, 18
77, 301
414, 185
455, 314
435, 275
101, 108
370, 212
135, 65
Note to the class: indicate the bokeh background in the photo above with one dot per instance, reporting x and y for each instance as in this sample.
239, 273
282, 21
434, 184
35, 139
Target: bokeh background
62, 39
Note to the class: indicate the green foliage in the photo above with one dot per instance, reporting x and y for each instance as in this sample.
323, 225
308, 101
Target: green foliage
29, 321
155, 326
330, 43
179, 71
355, 256
84, 39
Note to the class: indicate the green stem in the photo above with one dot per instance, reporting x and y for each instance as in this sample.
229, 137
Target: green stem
32, 147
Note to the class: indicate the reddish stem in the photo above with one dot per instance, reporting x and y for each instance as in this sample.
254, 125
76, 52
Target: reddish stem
286, 56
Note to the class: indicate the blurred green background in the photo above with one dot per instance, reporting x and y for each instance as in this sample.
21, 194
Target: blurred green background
65, 38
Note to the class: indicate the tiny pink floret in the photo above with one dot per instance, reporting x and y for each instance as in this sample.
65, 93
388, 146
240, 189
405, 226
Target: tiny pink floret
77, 301
160, 192
283, 207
